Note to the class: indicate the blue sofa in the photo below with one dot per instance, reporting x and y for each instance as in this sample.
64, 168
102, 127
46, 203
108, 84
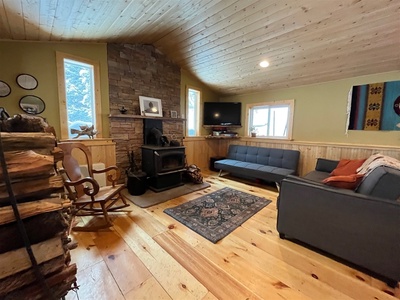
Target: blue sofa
252, 162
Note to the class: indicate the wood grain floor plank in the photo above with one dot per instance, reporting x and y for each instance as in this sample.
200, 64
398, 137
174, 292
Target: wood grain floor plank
148, 290
257, 280
212, 277
284, 272
86, 254
146, 221
176, 280
96, 283
121, 260
311, 263
209, 296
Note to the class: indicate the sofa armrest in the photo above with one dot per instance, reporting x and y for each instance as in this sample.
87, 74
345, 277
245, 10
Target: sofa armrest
305, 180
362, 229
326, 165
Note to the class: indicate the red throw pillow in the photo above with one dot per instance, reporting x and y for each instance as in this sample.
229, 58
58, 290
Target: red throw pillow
347, 167
344, 181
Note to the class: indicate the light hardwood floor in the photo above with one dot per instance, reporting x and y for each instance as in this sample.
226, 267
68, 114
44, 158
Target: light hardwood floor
149, 255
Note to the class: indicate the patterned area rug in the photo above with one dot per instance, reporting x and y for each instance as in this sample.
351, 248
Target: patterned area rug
217, 214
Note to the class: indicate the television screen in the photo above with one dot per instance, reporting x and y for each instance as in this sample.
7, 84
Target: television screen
222, 113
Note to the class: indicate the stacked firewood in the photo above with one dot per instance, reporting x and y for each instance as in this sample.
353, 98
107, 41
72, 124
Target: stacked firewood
37, 188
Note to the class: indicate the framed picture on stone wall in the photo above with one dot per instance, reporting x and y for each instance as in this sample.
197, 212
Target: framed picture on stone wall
150, 106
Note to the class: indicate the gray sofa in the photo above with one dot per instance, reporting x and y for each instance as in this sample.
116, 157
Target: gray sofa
360, 226
267, 164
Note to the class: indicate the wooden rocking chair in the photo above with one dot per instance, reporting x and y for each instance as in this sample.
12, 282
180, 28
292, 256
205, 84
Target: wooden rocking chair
88, 198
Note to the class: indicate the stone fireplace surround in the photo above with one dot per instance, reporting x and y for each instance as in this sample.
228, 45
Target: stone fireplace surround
140, 70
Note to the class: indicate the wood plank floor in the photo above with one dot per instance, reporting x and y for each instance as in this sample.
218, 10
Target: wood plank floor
149, 255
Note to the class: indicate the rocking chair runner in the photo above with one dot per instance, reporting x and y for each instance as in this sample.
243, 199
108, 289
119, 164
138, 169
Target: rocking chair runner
87, 196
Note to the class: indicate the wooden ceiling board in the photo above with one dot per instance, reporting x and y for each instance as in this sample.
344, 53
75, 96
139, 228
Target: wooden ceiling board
47, 11
217, 20
222, 41
321, 53
288, 37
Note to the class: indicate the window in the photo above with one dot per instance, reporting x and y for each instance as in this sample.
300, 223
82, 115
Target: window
193, 111
80, 103
271, 119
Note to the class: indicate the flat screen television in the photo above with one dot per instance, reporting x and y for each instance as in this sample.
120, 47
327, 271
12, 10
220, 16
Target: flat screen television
222, 113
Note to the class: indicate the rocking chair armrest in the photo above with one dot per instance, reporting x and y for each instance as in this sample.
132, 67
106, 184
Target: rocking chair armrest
106, 169
113, 178
90, 191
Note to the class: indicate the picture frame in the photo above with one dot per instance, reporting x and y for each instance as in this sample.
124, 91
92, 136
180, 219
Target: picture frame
174, 114
150, 106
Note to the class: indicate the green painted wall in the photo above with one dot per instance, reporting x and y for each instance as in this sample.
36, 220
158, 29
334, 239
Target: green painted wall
39, 60
320, 111
208, 95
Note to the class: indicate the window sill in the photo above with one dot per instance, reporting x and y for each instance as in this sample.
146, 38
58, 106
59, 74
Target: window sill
90, 142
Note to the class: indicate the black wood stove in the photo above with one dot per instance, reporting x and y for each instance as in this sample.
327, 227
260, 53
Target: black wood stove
162, 163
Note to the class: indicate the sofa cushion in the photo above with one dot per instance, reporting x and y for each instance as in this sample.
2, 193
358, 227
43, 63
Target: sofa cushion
381, 182
344, 181
347, 167
326, 165
317, 176
280, 158
254, 170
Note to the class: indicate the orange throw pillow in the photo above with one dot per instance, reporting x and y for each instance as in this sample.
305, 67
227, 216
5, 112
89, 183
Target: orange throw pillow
344, 181
347, 167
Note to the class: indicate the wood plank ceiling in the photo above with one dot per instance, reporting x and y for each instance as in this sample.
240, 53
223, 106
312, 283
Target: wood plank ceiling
222, 42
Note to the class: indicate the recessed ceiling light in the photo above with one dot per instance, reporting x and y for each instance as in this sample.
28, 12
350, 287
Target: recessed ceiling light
264, 64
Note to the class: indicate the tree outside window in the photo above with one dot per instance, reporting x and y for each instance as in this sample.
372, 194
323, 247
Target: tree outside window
79, 87
79, 96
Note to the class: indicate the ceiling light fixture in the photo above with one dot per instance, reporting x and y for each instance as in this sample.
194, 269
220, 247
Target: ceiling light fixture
264, 64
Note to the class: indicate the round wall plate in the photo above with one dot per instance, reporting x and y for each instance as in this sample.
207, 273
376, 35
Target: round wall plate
27, 82
32, 104
5, 89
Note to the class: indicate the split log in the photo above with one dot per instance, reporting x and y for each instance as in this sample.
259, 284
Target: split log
35, 189
24, 278
60, 283
25, 164
58, 154
29, 209
38, 228
18, 260
40, 142
26, 123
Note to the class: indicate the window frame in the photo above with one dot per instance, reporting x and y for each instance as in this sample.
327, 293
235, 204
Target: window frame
60, 56
289, 102
197, 125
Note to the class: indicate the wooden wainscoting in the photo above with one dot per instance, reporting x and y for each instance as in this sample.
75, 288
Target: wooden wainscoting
200, 149
103, 150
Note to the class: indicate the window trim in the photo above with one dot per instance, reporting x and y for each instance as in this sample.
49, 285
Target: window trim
197, 125
60, 56
289, 102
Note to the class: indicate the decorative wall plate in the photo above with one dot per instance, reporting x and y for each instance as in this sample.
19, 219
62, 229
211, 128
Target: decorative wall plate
27, 82
32, 104
5, 89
